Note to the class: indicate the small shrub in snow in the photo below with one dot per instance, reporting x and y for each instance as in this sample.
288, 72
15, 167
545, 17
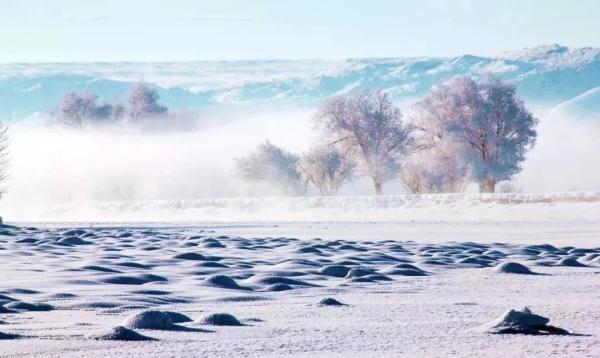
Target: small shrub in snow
327, 169
272, 165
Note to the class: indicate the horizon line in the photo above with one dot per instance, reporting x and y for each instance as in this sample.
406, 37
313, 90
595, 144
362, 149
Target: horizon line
283, 59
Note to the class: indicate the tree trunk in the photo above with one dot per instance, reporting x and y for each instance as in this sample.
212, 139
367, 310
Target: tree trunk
304, 188
487, 185
453, 185
378, 187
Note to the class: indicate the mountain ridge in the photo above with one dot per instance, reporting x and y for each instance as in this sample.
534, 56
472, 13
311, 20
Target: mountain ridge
548, 74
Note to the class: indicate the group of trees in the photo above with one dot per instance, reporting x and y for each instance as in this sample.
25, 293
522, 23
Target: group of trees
81, 109
462, 131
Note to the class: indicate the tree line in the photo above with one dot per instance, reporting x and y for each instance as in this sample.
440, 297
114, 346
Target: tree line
464, 130
82, 109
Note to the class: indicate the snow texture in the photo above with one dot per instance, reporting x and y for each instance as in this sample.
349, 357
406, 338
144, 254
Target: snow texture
383, 314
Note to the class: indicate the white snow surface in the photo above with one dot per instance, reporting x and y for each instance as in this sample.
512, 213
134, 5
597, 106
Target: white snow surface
97, 276
514, 207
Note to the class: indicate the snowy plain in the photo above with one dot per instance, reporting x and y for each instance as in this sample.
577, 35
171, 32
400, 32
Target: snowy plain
511, 207
271, 275
269, 261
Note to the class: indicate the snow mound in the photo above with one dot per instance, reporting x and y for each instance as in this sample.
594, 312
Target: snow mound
514, 268
523, 322
150, 320
221, 319
570, 262
4, 310
335, 270
194, 256
133, 280
405, 272
358, 272
277, 287
73, 240
277, 279
328, 301
177, 317
121, 333
223, 281
9, 336
26, 306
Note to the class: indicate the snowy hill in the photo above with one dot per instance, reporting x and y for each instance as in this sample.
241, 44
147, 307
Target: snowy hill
546, 74
585, 105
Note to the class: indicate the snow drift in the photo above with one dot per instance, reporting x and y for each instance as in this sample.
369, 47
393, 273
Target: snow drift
568, 206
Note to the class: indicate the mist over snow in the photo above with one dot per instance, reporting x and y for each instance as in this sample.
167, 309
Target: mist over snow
307, 179
234, 105
54, 164
60, 173
565, 157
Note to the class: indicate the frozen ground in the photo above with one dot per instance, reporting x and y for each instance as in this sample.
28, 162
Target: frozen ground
273, 275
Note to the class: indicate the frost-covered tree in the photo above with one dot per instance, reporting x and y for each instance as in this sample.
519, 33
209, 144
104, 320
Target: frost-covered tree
272, 165
143, 102
118, 111
369, 129
464, 129
437, 162
510, 132
79, 109
326, 168
434, 170
493, 122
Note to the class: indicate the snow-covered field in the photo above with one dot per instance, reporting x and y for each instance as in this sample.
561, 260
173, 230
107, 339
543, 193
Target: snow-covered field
147, 154
419, 280
563, 206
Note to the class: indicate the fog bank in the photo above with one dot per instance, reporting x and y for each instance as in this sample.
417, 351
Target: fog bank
58, 172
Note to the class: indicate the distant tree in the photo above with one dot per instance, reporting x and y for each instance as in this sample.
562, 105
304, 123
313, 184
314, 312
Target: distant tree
118, 111
78, 109
493, 122
143, 102
369, 129
273, 165
326, 168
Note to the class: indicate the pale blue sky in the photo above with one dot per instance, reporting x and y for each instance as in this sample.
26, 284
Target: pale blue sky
184, 30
